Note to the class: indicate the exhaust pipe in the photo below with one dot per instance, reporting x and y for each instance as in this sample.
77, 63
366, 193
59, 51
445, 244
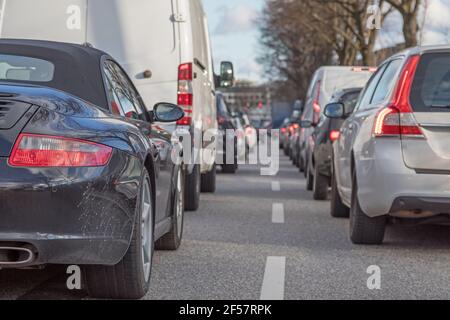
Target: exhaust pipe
16, 256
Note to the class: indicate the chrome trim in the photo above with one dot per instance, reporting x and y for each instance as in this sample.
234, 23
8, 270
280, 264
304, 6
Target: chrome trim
435, 125
27, 261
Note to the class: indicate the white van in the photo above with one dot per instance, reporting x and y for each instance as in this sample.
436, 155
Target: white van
163, 45
325, 82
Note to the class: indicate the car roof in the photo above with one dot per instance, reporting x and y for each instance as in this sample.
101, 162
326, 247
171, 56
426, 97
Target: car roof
421, 50
77, 67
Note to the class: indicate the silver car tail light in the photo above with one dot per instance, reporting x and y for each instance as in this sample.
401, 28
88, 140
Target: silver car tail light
397, 120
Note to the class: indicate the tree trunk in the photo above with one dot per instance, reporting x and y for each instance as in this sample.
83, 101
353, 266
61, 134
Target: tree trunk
410, 30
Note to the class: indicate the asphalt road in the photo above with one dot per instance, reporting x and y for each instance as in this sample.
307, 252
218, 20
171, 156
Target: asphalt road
265, 237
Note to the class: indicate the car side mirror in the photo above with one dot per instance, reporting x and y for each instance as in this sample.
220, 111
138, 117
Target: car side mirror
226, 78
166, 112
335, 110
306, 124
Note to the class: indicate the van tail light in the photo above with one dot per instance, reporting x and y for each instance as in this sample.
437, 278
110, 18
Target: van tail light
316, 107
31, 150
316, 103
398, 118
335, 135
185, 97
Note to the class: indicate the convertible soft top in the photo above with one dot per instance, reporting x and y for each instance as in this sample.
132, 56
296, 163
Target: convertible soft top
77, 67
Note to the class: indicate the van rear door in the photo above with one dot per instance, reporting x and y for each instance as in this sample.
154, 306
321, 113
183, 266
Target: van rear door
143, 38
430, 103
55, 20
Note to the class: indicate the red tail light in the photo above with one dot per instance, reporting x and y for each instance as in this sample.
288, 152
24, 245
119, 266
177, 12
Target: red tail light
33, 150
221, 120
335, 135
398, 118
316, 104
185, 72
283, 130
185, 92
317, 107
291, 128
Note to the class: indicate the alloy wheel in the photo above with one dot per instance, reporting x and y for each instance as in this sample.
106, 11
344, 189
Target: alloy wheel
147, 229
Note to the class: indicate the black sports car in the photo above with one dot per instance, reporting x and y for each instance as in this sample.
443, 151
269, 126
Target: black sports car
87, 176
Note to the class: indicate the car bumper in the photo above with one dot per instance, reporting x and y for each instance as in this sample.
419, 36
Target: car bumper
384, 180
70, 216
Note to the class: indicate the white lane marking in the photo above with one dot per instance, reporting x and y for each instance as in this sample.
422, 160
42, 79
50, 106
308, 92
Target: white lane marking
273, 283
278, 213
276, 186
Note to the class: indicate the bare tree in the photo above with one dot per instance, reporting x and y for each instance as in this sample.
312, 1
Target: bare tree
289, 52
409, 10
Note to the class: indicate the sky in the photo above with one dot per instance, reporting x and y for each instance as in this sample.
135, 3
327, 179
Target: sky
234, 32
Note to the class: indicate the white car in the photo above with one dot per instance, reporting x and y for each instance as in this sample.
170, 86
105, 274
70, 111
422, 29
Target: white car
163, 45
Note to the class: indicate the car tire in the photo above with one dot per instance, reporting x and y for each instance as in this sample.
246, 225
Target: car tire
320, 185
309, 179
192, 189
338, 208
208, 183
130, 278
172, 240
364, 229
301, 165
232, 168
305, 169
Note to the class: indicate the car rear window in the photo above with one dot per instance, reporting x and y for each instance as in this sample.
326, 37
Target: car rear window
431, 87
20, 68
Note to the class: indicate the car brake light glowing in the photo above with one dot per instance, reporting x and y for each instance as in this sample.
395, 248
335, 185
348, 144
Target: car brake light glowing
316, 107
398, 118
335, 135
32, 150
185, 93
291, 128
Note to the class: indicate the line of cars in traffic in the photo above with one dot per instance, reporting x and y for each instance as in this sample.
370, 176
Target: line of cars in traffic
382, 146
90, 173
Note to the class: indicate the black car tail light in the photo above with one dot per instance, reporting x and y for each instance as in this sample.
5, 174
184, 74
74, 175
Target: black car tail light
33, 150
